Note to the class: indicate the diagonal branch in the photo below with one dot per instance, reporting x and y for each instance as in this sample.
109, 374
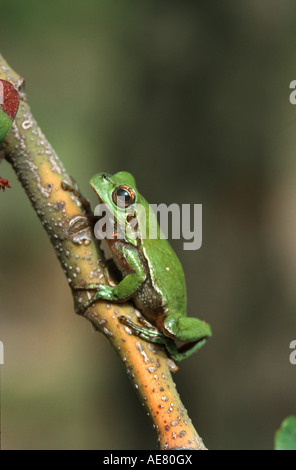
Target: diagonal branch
65, 219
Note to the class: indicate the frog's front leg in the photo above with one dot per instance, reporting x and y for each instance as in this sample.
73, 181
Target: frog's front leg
125, 289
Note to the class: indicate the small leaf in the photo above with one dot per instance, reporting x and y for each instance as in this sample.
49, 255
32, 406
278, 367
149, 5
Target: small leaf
9, 103
285, 437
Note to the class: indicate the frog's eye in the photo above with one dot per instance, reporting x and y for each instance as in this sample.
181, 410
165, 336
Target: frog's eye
123, 196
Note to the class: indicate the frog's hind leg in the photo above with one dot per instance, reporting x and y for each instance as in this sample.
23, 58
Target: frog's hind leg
152, 334
186, 329
149, 333
192, 332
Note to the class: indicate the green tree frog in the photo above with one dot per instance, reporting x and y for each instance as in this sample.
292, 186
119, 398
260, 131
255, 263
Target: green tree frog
152, 275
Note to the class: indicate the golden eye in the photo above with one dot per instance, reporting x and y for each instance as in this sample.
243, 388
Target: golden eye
123, 196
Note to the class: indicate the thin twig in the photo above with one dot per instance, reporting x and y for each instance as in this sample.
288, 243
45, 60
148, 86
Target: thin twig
66, 221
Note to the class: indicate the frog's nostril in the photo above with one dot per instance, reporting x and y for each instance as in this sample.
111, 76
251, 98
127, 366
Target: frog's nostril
105, 176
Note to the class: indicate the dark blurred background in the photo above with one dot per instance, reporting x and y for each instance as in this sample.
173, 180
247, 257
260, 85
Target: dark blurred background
193, 99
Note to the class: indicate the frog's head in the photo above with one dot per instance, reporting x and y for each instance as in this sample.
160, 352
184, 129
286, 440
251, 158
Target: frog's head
119, 194
117, 190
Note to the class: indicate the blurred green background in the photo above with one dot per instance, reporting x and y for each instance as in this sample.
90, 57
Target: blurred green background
193, 99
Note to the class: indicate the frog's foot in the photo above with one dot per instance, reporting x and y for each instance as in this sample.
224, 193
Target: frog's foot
148, 332
100, 288
145, 322
84, 286
151, 334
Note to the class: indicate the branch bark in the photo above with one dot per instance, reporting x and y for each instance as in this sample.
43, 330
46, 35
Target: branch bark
68, 226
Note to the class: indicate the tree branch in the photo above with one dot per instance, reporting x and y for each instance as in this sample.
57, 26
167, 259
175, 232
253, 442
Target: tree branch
68, 226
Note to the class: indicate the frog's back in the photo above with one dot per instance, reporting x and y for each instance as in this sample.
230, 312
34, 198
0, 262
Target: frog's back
166, 274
